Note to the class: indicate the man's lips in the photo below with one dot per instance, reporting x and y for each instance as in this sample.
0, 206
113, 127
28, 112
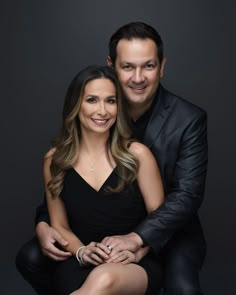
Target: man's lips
137, 88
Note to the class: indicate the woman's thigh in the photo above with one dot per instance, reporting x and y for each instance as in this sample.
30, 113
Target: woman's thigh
114, 278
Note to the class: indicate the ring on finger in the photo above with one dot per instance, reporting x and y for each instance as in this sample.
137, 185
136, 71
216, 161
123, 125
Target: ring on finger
90, 255
125, 255
109, 247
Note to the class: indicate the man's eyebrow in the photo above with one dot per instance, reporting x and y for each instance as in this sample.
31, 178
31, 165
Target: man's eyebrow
133, 63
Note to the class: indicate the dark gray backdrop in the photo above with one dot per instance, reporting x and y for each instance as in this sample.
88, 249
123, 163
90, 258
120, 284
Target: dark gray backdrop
43, 45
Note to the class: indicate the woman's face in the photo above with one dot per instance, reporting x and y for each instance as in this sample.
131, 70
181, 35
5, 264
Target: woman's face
98, 109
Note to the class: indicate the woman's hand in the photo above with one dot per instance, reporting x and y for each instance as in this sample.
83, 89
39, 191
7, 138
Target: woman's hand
95, 253
141, 253
126, 256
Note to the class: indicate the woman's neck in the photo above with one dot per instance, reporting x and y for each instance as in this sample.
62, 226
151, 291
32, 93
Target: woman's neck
94, 143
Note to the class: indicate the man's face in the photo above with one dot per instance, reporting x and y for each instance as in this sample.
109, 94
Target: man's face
139, 70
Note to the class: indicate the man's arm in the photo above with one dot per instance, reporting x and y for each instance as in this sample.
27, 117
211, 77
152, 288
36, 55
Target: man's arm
183, 199
42, 212
187, 188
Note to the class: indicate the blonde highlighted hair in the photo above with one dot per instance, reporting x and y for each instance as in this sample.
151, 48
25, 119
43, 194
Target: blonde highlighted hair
67, 144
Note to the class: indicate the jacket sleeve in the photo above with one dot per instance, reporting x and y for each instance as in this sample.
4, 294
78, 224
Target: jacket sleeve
185, 194
42, 212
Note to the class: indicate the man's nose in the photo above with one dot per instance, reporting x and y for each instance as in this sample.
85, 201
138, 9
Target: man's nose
138, 76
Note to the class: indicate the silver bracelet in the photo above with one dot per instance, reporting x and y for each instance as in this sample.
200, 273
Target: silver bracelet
80, 257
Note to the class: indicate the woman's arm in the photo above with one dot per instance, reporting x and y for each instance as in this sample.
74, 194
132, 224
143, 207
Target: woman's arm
148, 177
59, 221
150, 184
56, 210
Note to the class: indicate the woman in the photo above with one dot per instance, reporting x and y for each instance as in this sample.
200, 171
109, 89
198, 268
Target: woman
99, 183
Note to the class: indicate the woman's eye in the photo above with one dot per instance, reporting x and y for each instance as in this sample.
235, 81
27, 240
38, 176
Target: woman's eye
91, 99
111, 100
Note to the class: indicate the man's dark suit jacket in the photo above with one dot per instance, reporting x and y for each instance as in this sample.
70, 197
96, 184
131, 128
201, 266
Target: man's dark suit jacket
177, 136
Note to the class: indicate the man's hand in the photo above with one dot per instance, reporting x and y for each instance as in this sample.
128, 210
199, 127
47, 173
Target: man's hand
116, 244
47, 237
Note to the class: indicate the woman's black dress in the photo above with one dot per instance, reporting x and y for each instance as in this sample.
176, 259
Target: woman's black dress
94, 215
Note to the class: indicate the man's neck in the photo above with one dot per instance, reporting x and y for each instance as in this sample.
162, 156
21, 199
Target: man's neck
137, 110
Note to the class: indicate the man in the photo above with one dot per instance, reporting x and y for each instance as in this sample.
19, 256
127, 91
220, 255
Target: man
175, 131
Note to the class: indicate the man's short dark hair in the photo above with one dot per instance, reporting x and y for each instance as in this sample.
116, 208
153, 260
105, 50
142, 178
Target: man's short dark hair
135, 30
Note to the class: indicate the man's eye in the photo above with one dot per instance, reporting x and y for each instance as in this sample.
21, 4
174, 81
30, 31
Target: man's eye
150, 66
126, 67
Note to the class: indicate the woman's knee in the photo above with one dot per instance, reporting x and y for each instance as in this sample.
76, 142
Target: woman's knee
103, 279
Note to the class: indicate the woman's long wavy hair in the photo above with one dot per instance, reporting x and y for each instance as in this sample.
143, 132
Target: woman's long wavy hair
67, 144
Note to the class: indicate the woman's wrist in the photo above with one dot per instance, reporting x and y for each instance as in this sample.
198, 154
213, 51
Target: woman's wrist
79, 255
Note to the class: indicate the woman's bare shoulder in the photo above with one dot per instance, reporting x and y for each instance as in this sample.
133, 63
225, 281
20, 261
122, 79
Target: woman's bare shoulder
139, 150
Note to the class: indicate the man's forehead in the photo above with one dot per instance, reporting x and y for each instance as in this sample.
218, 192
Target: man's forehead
141, 50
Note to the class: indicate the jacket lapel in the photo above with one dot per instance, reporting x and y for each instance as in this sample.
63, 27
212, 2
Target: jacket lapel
159, 116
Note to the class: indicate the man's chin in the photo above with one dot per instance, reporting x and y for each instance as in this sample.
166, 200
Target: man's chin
136, 99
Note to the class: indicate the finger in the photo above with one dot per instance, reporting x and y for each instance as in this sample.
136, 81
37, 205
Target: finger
109, 241
122, 257
127, 261
52, 250
112, 243
90, 255
96, 258
114, 257
128, 257
101, 253
89, 258
116, 249
103, 247
119, 259
58, 238
99, 249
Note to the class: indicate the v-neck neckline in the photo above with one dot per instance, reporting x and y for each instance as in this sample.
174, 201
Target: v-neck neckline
88, 184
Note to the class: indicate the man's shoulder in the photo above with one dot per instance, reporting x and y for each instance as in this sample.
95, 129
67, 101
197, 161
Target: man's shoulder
180, 105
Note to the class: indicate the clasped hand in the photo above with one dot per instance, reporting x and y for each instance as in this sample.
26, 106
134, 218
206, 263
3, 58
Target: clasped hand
98, 253
124, 248
117, 249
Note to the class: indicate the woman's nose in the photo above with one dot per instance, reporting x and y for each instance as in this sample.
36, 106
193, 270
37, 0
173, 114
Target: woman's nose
102, 109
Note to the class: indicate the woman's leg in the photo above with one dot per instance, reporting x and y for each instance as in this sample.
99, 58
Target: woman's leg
115, 279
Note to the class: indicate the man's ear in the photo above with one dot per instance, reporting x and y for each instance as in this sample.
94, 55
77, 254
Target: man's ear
162, 67
109, 62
